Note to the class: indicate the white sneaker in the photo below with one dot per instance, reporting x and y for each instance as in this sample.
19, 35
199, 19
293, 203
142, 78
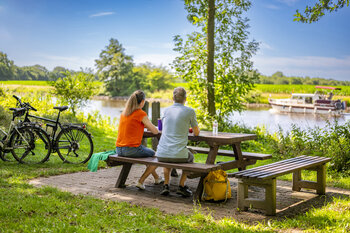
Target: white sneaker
140, 186
160, 180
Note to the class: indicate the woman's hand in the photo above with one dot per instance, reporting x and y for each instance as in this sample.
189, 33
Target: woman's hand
148, 124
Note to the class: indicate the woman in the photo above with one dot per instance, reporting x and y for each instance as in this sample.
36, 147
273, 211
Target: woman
131, 127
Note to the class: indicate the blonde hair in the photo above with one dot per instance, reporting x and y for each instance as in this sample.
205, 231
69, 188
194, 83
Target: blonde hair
133, 102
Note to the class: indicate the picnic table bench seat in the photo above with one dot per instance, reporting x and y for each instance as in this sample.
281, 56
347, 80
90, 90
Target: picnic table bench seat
265, 176
201, 169
246, 155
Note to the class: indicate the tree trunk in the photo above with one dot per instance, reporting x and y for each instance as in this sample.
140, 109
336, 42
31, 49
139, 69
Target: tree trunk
210, 63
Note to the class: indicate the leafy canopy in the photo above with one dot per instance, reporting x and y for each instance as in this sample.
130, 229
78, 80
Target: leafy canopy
233, 70
314, 13
74, 89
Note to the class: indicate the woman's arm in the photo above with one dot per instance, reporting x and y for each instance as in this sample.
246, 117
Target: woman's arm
148, 124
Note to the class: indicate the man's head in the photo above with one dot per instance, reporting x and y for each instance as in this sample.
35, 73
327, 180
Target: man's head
179, 95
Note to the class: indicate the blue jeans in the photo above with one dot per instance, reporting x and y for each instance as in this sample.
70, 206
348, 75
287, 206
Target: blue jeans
135, 152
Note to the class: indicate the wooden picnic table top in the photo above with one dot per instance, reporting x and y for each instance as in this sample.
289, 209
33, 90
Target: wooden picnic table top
207, 136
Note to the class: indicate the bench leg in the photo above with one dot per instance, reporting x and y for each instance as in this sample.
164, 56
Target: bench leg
270, 198
123, 175
296, 181
268, 203
242, 194
321, 179
199, 191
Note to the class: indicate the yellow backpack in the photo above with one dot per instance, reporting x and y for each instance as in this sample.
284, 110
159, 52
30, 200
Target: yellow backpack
216, 186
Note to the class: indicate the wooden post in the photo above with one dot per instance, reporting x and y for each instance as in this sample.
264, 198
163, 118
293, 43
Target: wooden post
321, 179
155, 116
296, 181
145, 108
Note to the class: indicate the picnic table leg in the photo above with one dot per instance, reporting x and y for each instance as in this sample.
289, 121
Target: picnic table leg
212, 154
199, 191
123, 175
238, 155
296, 181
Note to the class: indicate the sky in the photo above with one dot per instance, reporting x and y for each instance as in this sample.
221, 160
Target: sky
72, 33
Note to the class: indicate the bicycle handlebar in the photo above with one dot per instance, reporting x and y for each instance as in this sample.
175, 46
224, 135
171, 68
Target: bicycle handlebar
18, 100
30, 107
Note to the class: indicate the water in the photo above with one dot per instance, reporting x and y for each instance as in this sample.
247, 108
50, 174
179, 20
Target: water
252, 117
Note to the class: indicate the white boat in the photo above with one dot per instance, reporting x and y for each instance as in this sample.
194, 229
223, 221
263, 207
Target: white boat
317, 103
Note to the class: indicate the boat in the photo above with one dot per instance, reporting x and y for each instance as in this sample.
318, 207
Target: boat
320, 102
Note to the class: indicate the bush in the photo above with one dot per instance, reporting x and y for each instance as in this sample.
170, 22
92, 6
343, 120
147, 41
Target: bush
5, 117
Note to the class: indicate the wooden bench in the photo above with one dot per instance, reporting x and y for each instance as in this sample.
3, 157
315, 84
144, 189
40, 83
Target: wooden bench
197, 168
246, 155
265, 176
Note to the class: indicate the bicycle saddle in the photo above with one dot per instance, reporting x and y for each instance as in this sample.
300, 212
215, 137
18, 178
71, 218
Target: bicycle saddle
61, 108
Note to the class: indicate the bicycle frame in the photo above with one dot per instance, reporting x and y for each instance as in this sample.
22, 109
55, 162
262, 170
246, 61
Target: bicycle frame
4, 141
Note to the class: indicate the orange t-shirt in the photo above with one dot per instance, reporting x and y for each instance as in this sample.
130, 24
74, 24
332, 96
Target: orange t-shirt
130, 131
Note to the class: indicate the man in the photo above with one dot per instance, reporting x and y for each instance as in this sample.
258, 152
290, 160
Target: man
176, 121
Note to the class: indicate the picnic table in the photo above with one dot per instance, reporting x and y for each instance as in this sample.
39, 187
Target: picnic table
214, 141
239, 159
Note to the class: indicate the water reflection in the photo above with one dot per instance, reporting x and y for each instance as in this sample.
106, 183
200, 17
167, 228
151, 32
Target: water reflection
252, 117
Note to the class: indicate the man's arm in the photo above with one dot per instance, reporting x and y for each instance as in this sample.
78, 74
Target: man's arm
196, 130
148, 124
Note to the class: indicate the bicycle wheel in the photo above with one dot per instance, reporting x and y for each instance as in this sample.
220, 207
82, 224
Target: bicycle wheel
30, 144
74, 145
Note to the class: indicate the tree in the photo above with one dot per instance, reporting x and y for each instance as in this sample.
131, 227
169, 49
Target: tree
115, 68
152, 78
7, 67
74, 89
232, 68
314, 13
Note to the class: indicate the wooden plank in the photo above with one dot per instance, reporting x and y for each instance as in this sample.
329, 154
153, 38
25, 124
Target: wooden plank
263, 168
194, 167
123, 175
281, 168
281, 164
292, 169
246, 155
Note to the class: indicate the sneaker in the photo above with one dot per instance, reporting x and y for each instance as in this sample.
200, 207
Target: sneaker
140, 186
160, 180
165, 191
184, 191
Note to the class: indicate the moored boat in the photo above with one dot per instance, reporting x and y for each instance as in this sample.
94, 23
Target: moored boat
317, 103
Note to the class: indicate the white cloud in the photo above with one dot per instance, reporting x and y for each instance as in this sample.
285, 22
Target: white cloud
102, 14
288, 2
272, 7
157, 59
326, 67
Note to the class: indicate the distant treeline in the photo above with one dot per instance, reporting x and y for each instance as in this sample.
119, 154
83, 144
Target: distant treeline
9, 71
280, 79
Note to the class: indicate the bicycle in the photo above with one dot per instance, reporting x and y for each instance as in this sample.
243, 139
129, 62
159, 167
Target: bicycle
73, 142
27, 142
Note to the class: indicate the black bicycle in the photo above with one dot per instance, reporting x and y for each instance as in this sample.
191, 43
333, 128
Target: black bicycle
27, 141
72, 142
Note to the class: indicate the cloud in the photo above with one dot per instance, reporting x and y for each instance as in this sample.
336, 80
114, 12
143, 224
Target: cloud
313, 66
102, 14
272, 7
288, 2
157, 59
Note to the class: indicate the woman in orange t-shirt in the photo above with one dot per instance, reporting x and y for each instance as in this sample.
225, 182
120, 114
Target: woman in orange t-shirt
131, 127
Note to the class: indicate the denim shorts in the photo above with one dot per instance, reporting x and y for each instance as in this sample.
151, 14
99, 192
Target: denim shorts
135, 152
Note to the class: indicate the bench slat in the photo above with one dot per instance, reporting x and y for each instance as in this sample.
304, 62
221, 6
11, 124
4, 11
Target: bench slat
287, 168
246, 155
272, 167
193, 167
282, 167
